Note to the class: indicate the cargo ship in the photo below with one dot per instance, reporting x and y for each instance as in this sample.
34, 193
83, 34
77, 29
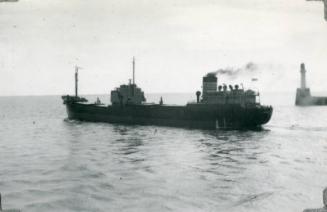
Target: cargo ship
217, 107
303, 94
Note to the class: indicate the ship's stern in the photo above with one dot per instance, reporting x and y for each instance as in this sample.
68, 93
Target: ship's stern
258, 116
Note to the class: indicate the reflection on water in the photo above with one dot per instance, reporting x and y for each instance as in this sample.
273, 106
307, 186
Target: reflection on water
51, 164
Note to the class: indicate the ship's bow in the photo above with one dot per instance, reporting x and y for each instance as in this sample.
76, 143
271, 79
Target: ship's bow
70, 102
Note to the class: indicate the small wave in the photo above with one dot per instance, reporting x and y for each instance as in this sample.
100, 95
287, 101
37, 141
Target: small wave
306, 128
300, 127
67, 120
253, 197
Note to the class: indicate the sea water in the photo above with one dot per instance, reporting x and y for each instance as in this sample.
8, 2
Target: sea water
48, 163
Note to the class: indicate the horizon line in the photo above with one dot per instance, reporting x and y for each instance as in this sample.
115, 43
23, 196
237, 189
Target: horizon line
93, 94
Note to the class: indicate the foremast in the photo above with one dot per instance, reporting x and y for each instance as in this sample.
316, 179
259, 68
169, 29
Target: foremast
73, 99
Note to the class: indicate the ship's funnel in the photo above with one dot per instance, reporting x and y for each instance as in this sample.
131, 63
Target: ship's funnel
209, 85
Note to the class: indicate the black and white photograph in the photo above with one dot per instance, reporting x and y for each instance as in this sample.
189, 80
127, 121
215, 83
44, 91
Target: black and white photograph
163, 105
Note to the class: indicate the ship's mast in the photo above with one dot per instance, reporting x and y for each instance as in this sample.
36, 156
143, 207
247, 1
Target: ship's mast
76, 81
133, 70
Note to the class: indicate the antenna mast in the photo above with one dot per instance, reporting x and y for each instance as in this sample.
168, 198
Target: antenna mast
76, 81
133, 70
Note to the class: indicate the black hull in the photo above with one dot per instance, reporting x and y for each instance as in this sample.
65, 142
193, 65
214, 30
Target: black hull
200, 116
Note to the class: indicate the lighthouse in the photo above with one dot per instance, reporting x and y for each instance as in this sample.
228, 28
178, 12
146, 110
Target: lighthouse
302, 71
303, 95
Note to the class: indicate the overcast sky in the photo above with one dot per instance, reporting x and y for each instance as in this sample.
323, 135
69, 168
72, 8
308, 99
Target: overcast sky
175, 43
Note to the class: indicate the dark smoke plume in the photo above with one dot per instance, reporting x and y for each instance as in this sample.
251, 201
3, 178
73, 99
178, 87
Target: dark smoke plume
233, 72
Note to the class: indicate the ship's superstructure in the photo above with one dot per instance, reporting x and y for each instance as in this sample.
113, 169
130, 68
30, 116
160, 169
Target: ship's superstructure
223, 94
219, 106
128, 94
303, 94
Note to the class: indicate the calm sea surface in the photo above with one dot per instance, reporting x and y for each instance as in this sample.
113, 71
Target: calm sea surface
50, 164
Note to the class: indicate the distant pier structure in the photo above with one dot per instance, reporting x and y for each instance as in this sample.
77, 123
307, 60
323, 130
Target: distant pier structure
303, 94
